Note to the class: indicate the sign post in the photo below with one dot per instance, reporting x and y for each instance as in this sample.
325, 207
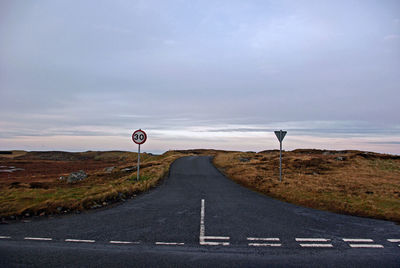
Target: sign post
280, 135
139, 137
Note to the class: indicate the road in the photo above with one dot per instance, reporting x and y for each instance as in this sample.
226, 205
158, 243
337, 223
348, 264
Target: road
197, 218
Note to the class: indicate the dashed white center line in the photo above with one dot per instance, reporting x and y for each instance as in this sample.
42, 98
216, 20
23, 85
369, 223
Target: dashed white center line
394, 240
217, 237
316, 245
265, 244
214, 243
4, 237
265, 239
38, 238
312, 240
357, 240
79, 241
366, 246
124, 242
170, 243
262, 238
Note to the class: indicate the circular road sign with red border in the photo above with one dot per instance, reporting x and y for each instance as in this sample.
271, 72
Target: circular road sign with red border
139, 136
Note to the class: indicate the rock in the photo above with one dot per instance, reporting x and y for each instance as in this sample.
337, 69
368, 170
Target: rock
76, 176
129, 169
340, 158
109, 169
244, 159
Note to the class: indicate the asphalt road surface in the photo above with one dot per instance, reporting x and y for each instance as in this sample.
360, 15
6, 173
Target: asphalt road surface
199, 218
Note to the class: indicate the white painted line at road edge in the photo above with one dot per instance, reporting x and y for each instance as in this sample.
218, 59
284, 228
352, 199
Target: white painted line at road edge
394, 240
366, 246
264, 245
312, 240
5, 237
38, 238
79, 241
357, 240
262, 238
316, 245
123, 242
169, 243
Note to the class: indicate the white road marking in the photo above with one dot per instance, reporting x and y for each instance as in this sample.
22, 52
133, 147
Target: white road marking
262, 239
123, 242
79, 240
217, 237
214, 243
316, 245
366, 246
357, 240
264, 245
202, 227
312, 240
38, 238
203, 236
170, 243
394, 240
5, 237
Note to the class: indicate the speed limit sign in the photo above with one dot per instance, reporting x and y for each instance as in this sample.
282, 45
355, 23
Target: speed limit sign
139, 136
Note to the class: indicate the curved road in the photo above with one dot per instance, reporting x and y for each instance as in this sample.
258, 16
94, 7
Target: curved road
197, 217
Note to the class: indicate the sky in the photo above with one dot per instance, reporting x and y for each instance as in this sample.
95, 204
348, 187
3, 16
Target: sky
83, 75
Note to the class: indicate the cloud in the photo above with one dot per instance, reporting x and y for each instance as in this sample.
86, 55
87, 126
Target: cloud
391, 37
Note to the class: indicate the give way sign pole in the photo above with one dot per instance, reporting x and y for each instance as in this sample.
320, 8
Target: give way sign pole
280, 135
139, 137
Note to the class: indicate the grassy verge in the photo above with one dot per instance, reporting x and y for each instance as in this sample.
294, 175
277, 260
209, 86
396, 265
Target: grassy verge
52, 196
347, 182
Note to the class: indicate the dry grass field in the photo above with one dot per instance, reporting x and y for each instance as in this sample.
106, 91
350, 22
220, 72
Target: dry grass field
30, 182
348, 182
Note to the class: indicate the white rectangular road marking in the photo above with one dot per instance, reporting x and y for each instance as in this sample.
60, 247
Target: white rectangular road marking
169, 243
217, 237
5, 237
123, 242
357, 240
214, 243
394, 240
262, 238
316, 245
366, 246
38, 238
312, 240
79, 241
264, 245
202, 227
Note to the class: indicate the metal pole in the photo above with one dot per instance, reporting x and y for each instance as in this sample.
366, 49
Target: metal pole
138, 164
280, 156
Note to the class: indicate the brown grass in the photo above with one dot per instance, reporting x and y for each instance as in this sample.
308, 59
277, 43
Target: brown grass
38, 191
348, 182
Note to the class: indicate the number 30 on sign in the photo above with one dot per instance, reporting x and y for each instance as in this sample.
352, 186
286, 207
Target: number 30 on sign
139, 136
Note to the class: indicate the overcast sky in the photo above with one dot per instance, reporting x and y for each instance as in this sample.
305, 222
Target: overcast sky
83, 75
